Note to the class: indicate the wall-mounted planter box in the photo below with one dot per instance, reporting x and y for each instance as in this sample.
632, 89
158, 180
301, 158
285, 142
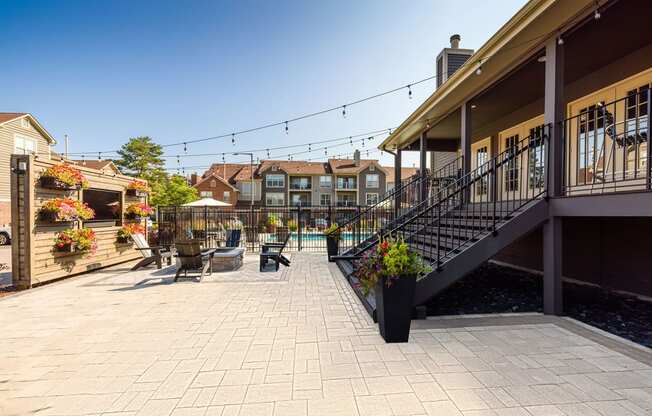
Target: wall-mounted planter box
51, 216
133, 217
53, 183
68, 248
124, 240
136, 193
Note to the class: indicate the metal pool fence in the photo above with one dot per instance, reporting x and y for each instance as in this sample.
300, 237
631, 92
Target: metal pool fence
305, 225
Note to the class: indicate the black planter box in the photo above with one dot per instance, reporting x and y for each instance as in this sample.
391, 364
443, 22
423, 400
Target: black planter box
132, 217
394, 308
68, 248
53, 183
124, 240
48, 216
332, 246
136, 192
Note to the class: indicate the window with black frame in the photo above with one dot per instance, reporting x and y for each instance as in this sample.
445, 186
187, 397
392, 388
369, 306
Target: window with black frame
536, 158
511, 178
106, 204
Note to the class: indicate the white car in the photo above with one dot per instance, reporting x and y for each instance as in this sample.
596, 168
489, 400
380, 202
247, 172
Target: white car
5, 235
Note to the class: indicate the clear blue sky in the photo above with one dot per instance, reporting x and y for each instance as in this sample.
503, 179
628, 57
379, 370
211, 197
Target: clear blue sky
102, 72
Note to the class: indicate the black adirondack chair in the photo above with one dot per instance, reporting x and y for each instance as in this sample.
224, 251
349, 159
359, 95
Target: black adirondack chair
274, 252
193, 258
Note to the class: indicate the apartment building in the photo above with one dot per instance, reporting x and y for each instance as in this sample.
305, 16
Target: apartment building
337, 182
551, 119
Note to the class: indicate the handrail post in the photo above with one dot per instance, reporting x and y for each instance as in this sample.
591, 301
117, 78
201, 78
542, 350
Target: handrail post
648, 179
438, 236
494, 193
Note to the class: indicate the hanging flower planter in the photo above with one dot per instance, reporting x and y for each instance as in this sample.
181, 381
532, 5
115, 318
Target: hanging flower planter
137, 211
333, 237
63, 177
137, 188
127, 230
78, 241
65, 210
391, 271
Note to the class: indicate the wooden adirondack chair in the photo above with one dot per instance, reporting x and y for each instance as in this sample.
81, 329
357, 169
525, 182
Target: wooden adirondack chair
193, 258
153, 254
274, 252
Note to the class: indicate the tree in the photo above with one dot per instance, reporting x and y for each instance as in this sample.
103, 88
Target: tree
174, 191
141, 157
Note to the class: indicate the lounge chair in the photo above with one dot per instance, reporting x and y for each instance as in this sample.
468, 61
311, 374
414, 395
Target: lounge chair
192, 257
274, 251
153, 254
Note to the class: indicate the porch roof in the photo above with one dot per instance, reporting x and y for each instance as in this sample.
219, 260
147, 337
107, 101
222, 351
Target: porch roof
517, 40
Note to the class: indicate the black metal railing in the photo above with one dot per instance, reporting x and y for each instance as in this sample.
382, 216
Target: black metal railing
606, 146
259, 225
478, 203
369, 223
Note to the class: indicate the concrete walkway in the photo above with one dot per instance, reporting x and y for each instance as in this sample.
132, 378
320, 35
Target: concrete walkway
294, 342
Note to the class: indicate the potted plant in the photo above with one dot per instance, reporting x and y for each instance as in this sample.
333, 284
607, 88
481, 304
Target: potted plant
137, 188
82, 240
65, 209
293, 226
63, 177
273, 221
137, 210
127, 230
391, 271
333, 236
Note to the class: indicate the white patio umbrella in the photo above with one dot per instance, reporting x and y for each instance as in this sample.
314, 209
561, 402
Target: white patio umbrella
207, 202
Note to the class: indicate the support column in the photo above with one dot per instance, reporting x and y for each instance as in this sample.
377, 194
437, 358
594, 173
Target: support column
552, 230
552, 262
465, 137
423, 150
397, 182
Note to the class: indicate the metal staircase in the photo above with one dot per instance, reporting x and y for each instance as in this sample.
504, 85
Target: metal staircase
469, 220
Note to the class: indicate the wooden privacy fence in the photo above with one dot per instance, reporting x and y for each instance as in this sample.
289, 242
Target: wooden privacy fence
35, 258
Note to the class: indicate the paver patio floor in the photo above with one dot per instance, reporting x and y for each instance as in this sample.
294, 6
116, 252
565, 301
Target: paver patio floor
295, 342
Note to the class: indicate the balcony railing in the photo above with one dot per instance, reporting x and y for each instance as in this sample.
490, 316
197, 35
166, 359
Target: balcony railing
298, 186
346, 203
606, 147
347, 185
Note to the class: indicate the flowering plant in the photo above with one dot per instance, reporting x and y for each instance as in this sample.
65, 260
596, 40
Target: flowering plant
128, 230
67, 209
79, 240
66, 174
333, 231
139, 209
137, 185
392, 259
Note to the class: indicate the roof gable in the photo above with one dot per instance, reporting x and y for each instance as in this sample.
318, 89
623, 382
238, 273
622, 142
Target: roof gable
8, 117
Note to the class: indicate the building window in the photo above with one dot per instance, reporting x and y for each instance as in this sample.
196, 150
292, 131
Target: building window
227, 196
274, 199
511, 176
299, 200
373, 180
372, 199
206, 194
345, 200
346, 183
591, 141
535, 158
325, 181
213, 183
372, 168
325, 200
481, 158
275, 181
24, 122
24, 145
246, 188
636, 131
390, 186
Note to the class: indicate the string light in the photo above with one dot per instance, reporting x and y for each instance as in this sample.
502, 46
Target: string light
185, 148
350, 140
287, 129
344, 111
409, 87
99, 155
223, 160
309, 150
479, 70
597, 14
233, 138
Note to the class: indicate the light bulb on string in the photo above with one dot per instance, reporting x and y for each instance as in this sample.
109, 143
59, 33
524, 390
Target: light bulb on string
560, 41
326, 151
351, 140
233, 139
287, 129
309, 149
99, 155
479, 70
363, 142
409, 87
223, 160
185, 147
597, 14
344, 111
267, 153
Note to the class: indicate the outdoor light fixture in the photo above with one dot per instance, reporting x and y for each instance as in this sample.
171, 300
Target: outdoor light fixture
541, 59
560, 41
473, 106
21, 168
479, 70
597, 14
